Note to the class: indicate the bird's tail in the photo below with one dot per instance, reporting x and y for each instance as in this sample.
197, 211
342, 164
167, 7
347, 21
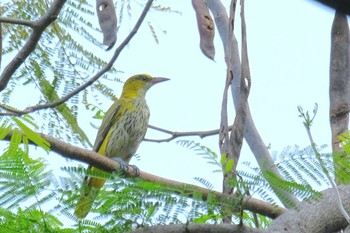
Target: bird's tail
91, 186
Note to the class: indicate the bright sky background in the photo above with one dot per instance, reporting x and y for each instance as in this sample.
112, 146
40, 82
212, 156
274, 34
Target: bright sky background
288, 46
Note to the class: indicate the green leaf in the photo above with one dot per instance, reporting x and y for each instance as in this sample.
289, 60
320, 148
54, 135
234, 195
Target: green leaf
99, 115
64, 110
32, 136
228, 166
4, 131
223, 159
15, 141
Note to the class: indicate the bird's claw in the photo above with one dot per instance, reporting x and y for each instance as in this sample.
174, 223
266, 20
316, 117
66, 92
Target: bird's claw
125, 167
136, 170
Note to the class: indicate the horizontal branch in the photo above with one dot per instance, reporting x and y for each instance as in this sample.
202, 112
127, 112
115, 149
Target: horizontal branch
197, 228
104, 163
174, 134
23, 22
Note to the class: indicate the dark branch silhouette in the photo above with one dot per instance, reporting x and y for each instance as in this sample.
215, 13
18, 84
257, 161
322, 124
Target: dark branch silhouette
39, 27
174, 135
340, 5
23, 22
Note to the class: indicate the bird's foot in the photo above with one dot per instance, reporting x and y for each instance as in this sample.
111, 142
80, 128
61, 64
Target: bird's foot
136, 170
125, 167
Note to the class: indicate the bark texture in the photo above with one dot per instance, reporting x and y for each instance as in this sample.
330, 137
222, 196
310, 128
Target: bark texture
251, 134
339, 86
317, 216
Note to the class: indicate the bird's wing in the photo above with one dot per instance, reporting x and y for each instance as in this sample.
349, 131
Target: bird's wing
106, 124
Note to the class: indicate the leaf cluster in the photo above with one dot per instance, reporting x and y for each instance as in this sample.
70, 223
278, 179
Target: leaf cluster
302, 174
29, 191
64, 58
45, 203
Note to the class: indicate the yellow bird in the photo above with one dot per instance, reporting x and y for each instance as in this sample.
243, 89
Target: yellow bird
120, 134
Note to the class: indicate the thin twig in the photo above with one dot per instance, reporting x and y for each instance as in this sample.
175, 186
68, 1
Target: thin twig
91, 80
331, 181
23, 22
174, 135
307, 124
225, 145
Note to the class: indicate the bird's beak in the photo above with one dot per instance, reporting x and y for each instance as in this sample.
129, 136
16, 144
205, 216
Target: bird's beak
155, 80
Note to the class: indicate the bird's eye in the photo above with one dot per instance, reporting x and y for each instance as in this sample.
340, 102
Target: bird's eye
144, 78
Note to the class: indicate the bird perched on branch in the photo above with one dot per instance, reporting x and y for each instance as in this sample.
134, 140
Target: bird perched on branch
120, 134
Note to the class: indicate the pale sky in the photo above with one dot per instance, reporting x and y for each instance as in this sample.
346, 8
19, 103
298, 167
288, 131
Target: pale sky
288, 46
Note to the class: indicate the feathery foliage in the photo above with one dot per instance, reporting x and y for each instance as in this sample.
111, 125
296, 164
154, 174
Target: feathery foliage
64, 58
124, 204
300, 169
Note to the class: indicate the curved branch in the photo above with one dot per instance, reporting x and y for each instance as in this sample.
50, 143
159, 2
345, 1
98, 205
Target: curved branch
174, 135
315, 216
251, 134
39, 27
80, 154
92, 79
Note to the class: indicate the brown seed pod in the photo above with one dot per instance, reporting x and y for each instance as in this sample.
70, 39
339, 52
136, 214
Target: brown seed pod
107, 19
206, 28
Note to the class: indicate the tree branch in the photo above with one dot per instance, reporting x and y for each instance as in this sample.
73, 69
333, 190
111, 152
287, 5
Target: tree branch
174, 135
325, 171
90, 157
198, 228
39, 27
225, 144
316, 216
251, 134
340, 5
23, 22
91, 80
339, 83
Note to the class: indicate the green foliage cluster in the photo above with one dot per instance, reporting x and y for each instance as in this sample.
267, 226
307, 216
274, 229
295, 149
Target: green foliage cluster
64, 58
33, 198
303, 176
38, 201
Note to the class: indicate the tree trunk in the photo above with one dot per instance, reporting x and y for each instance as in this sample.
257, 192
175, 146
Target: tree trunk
339, 86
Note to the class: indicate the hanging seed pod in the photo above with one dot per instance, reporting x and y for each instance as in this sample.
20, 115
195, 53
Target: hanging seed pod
107, 19
206, 28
